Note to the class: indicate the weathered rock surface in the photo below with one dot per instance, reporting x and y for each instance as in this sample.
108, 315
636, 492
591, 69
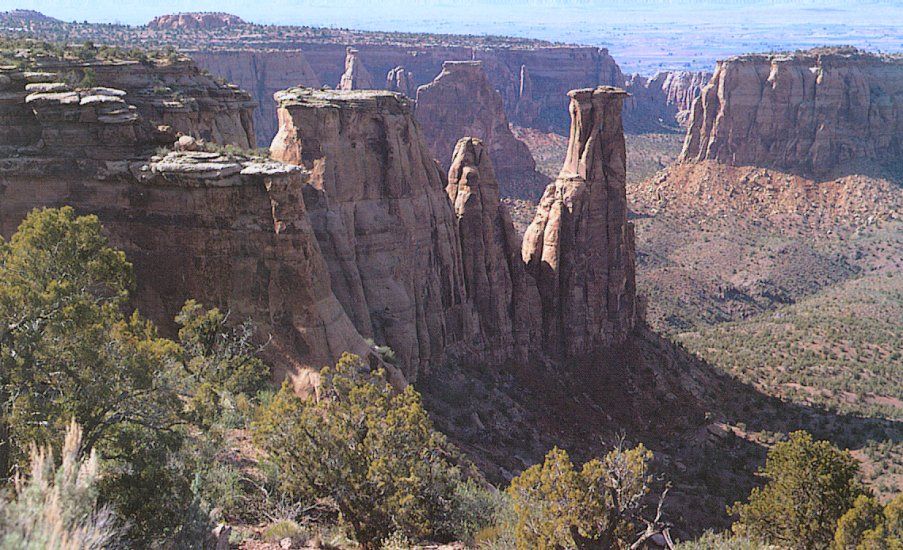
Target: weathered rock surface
580, 247
663, 100
461, 102
356, 76
195, 21
504, 296
175, 94
806, 112
401, 80
384, 223
551, 71
226, 230
262, 73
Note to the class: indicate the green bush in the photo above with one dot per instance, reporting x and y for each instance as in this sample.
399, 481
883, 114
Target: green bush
597, 506
870, 526
368, 448
810, 485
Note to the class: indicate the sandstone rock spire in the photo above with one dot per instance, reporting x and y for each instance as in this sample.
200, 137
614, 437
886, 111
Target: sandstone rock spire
356, 76
504, 296
384, 223
402, 81
580, 247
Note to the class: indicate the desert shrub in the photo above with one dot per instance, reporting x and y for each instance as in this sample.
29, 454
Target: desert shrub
723, 541
868, 525
810, 485
370, 449
599, 505
219, 361
57, 507
282, 529
67, 351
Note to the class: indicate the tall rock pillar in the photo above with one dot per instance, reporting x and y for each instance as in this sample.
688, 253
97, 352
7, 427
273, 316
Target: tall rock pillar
580, 246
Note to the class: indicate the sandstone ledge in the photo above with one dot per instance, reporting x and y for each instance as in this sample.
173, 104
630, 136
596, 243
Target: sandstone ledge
343, 99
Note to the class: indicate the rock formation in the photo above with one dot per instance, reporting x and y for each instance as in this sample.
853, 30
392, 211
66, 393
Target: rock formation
356, 76
663, 100
384, 224
504, 296
806, 112
401, 80
461, 102
580, 247
102, 121
262, 73
226, 230
195, 21
26, 18
551, 72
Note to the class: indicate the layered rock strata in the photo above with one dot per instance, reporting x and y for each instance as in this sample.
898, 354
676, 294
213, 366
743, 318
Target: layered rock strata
226, 230
807, 112
356, 76
551, 71
461, 102
580, 247
384, 223
504, 296
170, 93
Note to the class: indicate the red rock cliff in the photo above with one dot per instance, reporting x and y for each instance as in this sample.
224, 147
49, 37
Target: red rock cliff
461, 102
504, 296
807, 112
580, 247
195, 21
384, 223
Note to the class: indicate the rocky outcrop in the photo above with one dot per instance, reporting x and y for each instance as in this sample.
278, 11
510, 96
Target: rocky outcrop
384, 223
504, 296
356, 76
262, 73
580, 247
807, 112
111, 118
401, 80
664, 100
195, 21
227, 230
462, 102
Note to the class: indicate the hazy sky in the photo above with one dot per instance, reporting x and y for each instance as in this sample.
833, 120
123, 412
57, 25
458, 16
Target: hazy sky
433, 14
644, 35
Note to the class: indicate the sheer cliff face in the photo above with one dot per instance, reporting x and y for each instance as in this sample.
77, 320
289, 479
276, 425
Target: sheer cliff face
504, 296
552, 71
663, 100
384, 223
580, 247
262, 73
808, 112
228, 231
461, 102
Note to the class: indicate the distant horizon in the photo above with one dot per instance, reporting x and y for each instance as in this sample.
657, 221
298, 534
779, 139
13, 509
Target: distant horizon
643, 36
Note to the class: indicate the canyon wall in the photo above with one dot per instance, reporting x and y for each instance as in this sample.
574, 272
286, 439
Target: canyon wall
461, 102
807, 112
580, 246
262, 73
552, 72
385, 226
664, 100
226, 230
